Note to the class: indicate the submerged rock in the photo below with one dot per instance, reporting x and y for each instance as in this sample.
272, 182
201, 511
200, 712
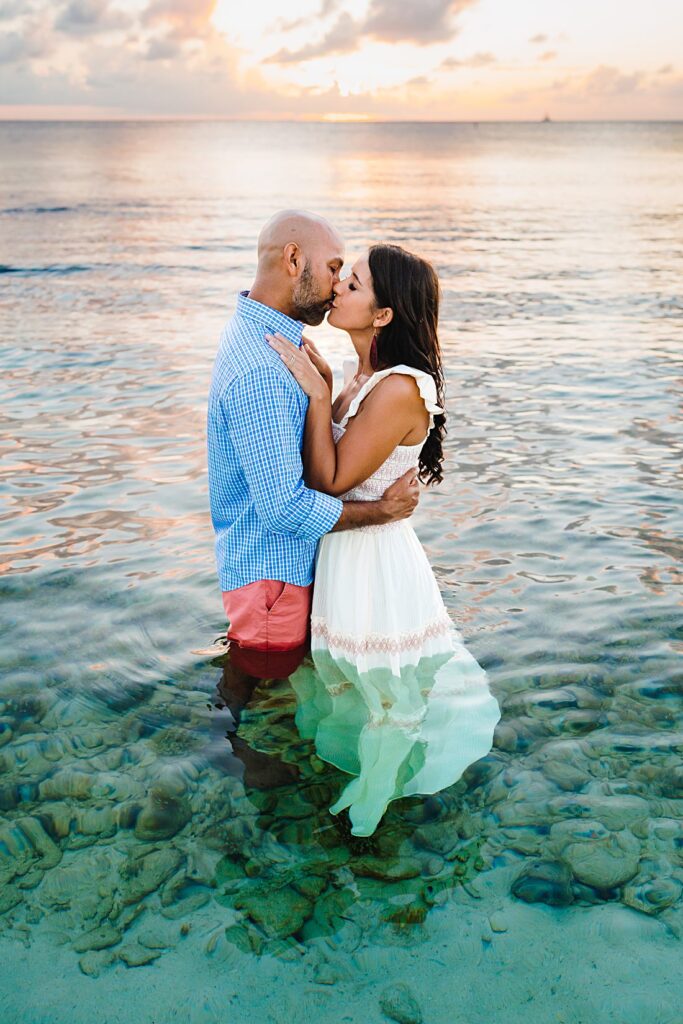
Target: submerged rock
98, 938
186, 905
24, 846
246, 938
498, 922
144, 874
544, 881
565, 775
10, 897
279, 912
82, 891
310, 886
94, 962
157, 935
652, 895
70, 782
398, 1003
162, 815
614, 811
174, 742
439, 837
135, 955
605, 863
385, 868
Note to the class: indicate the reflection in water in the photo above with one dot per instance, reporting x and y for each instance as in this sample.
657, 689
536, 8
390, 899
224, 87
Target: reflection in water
296, 873
398, 734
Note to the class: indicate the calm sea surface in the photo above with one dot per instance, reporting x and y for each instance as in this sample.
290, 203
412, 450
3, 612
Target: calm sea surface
151, 871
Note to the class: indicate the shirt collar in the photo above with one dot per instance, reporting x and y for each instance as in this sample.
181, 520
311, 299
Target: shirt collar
272, 319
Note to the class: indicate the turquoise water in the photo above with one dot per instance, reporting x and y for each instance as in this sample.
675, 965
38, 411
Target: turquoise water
152, 869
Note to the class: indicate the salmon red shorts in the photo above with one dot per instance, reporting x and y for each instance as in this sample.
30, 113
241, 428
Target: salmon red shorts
268, 615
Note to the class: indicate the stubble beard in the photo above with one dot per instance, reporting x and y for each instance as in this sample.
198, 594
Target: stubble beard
309, 308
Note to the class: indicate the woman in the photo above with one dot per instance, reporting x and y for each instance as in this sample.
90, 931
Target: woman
395, 698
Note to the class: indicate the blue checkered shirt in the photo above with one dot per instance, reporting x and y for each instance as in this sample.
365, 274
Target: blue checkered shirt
267, 522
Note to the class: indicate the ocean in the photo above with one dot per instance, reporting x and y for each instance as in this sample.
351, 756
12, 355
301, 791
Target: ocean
147, 874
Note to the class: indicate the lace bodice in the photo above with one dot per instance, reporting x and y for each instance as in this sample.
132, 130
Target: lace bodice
403, 457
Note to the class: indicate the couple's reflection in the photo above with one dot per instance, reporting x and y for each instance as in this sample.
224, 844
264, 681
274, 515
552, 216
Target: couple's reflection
390, 735
244, 672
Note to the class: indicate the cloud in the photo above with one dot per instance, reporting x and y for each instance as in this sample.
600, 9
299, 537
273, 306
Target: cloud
328, 7
342, 38
187, 19
604, 83
163, 48
13, 47
179, 22
548, 55
11, 9
422, 22
478, 60
28, 45
609, 81
540, 38
86, 17
414, 21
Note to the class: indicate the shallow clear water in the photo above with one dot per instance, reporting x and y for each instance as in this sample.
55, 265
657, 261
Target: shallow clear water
546, 884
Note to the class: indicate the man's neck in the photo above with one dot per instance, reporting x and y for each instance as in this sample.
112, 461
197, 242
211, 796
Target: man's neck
269, 297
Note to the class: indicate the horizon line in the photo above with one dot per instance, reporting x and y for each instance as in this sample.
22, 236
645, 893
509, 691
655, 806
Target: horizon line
329, 120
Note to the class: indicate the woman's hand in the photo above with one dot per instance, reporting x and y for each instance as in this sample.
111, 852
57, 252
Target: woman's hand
320, 364
299, 364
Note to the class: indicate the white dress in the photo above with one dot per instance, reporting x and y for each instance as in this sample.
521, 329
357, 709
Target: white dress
392, 696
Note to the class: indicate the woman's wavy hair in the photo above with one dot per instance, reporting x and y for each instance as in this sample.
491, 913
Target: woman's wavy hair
410, 287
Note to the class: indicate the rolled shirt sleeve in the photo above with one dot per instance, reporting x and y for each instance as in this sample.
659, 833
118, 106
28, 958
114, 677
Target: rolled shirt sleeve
261, 413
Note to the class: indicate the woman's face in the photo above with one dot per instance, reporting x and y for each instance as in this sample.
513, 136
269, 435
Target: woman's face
353, 308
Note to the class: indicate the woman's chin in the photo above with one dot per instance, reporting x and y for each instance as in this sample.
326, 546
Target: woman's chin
332, 318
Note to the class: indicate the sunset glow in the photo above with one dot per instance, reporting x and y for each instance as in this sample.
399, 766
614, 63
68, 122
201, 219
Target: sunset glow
360, 60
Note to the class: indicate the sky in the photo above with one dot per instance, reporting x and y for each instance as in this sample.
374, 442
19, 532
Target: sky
433, 60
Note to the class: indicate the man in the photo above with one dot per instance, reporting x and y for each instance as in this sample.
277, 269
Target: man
267, 522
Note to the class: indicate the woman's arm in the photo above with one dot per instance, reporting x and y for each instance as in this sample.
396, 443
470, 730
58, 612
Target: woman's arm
320, 452
390, 412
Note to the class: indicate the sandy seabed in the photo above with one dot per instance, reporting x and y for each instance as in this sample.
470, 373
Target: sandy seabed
572, 965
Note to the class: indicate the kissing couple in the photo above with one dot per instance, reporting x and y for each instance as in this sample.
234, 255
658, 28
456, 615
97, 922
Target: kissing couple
303, 483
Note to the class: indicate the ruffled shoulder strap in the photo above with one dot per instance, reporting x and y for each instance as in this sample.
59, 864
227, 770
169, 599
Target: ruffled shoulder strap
425, 383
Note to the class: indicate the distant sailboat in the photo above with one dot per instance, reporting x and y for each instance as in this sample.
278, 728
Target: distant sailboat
546, 120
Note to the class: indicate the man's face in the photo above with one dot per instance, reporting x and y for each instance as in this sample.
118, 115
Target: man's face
314, 292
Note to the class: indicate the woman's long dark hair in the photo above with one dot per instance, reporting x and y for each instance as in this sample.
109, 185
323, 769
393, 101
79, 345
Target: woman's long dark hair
409, 285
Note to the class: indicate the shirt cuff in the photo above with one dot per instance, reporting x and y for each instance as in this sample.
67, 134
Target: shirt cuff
323, 515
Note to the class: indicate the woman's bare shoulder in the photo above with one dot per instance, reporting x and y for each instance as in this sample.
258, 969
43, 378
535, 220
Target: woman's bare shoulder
395, 388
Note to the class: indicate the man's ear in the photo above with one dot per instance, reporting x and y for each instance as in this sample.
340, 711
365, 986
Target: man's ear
383, 317
293, 259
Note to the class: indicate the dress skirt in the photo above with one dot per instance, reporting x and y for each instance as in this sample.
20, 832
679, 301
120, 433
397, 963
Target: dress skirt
391, 695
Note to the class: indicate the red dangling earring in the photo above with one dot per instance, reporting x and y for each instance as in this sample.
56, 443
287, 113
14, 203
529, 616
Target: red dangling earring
374, 361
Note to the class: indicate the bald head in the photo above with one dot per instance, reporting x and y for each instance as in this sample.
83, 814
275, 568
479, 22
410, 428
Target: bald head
306, 230
299, 258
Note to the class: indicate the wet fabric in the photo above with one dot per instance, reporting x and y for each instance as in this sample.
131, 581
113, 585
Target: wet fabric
391, 694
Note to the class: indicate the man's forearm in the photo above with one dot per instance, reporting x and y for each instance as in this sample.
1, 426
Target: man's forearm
362, 513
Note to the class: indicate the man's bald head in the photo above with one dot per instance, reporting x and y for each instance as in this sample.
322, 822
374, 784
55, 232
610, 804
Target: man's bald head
307, 230
299, 258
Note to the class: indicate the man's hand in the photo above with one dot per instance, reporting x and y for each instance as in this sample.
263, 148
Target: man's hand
400, 500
